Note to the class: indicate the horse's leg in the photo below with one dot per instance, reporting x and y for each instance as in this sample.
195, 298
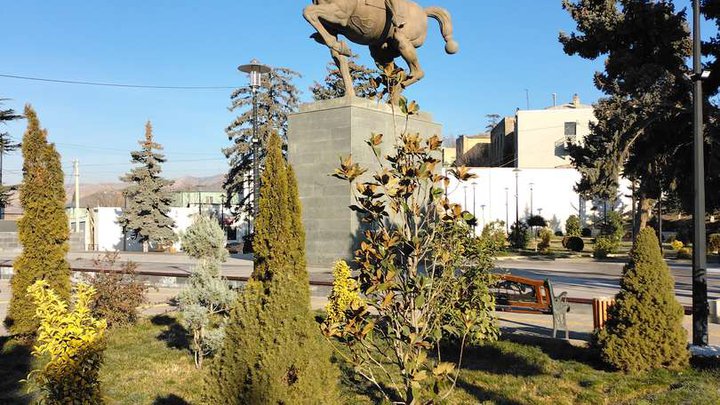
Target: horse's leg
332, 14
409, 53
342, 64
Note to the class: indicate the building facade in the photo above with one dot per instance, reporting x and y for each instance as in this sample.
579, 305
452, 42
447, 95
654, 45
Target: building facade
541, 136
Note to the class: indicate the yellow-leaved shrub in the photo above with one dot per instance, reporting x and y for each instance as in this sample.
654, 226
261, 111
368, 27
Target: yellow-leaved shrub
344, 293
73, 342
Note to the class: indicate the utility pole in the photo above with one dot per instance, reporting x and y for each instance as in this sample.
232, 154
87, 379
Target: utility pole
76, 174
699, 274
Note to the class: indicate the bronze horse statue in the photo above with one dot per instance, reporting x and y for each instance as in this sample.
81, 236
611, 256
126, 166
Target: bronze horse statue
370, 22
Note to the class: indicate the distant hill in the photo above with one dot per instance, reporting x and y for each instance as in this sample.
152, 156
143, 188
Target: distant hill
110, 194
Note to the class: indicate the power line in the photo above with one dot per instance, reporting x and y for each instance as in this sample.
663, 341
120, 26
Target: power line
101, 84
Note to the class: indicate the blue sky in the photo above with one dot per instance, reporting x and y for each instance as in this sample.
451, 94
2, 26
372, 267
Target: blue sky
506, 47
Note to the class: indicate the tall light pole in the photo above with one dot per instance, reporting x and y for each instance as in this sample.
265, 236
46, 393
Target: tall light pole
255, 69
531, 199
507, 211
517, 206
474, 184
466, 204
699, 274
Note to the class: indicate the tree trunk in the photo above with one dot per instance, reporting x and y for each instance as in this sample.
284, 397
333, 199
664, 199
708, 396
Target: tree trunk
146, 246
645, 208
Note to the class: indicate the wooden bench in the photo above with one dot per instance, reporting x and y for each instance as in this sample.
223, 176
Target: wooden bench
530, 296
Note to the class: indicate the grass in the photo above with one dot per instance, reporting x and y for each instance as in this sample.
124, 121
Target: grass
150, 364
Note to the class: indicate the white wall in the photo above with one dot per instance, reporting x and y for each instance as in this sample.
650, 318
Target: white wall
108, 234
553, 192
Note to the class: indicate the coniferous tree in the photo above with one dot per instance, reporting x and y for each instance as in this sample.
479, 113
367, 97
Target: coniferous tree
333, 87
643, 127
43, 230
7, 145
273, 351
644, 330
277, 99
148, 196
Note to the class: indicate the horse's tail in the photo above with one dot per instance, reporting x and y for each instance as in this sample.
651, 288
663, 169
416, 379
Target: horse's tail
442, 16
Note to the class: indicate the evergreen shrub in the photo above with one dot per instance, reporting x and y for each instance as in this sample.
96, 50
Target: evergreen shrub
714, 243
72, 341
520, 235
586, 233
572, 226
684, 253
546, 235
574, 243
494, 235
43, 229
644, 330
603, 247
273, 351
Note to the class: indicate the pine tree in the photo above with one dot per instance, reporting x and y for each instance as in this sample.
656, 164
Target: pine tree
645, 327
206, 301
333, 87
642, 129
277, 99
273, 351
7, 145
148, 195
43, 230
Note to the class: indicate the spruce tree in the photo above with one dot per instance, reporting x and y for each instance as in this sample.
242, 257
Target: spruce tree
7, 145
333, 87
644, 330
43, 230
277, 98
146, 216
273, 351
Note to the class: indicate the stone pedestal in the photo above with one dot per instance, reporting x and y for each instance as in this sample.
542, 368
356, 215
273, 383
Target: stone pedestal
319, 135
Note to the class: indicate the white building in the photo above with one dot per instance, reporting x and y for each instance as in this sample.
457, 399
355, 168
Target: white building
541, 136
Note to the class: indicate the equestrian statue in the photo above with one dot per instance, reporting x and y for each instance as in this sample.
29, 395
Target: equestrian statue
391, 29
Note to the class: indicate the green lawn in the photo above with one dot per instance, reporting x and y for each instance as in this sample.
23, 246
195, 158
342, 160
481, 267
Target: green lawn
150, 364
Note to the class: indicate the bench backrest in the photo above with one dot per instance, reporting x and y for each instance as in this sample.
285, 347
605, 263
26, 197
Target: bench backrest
520, 293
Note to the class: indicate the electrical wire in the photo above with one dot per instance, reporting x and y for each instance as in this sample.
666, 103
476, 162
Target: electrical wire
123, 85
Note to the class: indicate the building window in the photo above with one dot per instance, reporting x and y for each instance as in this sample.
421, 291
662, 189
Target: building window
570, 128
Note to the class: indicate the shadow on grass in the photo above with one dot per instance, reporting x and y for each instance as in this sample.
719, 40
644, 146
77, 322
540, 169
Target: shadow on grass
491, 359
171, 399
559, 350
15, 364
175, 335
483, 395
356, 384
540, 331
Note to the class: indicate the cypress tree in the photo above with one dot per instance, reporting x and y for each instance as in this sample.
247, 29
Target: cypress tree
43, 230
273, 351
146, 216
645, 330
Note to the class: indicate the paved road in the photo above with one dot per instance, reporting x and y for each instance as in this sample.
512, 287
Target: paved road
587, 278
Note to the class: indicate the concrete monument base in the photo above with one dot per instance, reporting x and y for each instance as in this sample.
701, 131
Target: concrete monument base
319, 135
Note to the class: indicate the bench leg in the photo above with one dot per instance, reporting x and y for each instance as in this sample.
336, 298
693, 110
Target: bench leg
560, 320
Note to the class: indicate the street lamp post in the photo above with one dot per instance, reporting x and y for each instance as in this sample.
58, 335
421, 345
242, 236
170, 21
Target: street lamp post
474, 184
507, 211
531, 199
482, 207
466, 204
517, 207
699, 275
255, 69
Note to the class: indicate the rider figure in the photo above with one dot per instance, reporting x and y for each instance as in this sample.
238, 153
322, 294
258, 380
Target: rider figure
396, 19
